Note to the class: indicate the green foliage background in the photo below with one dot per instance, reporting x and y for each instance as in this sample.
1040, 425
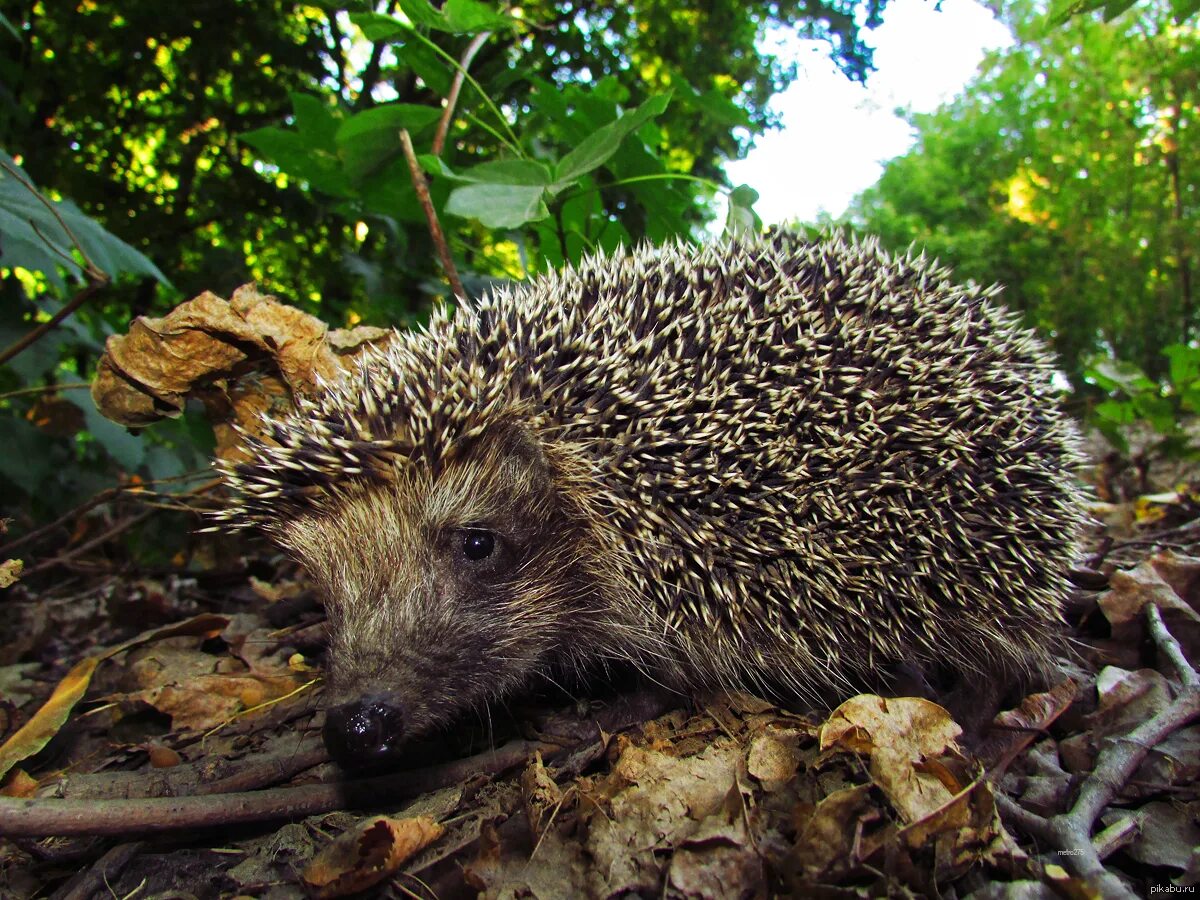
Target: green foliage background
235, 140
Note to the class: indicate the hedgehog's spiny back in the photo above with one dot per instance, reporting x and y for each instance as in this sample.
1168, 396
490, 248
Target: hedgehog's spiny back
814, 456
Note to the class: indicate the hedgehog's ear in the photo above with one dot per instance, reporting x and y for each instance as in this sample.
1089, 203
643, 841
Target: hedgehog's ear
521, 456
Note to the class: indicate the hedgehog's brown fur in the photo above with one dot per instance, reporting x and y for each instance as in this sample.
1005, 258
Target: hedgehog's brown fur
766, 463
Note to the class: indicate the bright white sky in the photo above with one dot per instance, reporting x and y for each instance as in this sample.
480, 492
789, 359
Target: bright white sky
836, 133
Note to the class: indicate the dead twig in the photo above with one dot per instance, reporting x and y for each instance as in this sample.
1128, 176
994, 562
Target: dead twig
47, 389
96, 879
38, 817
439, 138
122, 817
119, 528
50, 324
435, 228
1115, 766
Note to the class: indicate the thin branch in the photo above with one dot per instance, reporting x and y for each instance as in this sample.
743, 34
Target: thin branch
91, 816
95, 276
1170, 648
122, 526
1115, 766
512, 142
439, 139
112, 532
77, 301
435, 228
46, 389
139, 491
121, 817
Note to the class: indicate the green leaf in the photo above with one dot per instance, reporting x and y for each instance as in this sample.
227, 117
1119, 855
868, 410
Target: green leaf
436, 72
1184, 9
1156, 410
1114, 8
716, 107
378, 27
596, 149
499, 205
28, 460
32, 237
315, 120
422, 12
1184, 368
372, 137
505, 171
1061, 11
1117, 375
472, 17
455, 17
436, 166
295, 155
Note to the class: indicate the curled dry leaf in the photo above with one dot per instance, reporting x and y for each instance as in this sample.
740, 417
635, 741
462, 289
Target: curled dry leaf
1155, 581
540, 796
1020, 727
203, 346
903, 737
774, 756
836, 838
364, 857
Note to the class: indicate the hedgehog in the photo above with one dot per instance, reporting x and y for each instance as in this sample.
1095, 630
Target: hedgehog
767, 464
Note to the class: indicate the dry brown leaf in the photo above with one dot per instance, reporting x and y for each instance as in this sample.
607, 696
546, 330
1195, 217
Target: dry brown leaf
899, 736
148, 373
364, 857
198, 690
10, 572
962, 831
774, 756
1169, 836
830, 841
720, 858
657, 794
46, 722
1022, 726
1124, 603
19, 784
540, 796
1181, 572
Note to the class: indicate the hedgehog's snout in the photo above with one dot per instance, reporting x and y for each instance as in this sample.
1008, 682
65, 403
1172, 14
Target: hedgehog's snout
364, 733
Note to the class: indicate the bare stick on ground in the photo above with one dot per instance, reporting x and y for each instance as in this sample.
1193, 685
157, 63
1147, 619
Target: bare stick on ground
1116, 764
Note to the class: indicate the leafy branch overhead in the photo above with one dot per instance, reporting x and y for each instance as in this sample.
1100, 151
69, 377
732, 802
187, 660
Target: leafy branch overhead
43, 235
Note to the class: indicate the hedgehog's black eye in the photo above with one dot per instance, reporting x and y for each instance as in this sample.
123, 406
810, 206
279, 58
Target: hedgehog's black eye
477, 544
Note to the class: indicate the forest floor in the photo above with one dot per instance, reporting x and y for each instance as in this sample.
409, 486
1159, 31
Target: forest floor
160, 737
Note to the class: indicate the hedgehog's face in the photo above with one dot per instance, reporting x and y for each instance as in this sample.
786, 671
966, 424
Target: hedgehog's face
443, 591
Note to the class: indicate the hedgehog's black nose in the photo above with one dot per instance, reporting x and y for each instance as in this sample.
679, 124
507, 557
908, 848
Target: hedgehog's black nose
364, 733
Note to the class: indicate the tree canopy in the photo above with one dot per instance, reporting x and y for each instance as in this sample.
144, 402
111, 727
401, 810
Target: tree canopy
1067, 172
